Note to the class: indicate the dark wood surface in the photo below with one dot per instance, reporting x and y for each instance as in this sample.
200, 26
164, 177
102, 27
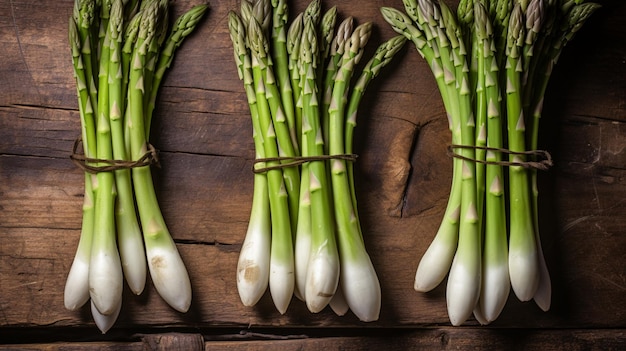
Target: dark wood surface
204, 185
444, 338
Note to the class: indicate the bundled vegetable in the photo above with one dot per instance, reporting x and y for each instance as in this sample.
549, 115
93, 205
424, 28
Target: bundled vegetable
304, 235
492, 61
120, 52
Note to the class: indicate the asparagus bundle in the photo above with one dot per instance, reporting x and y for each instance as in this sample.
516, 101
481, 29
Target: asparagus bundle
492, 61
120, 52
304, 236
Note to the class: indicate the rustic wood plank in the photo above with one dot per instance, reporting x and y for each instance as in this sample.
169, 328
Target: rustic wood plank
392, 340
205, 185
100, 346
35, 48
445, 339
173, 341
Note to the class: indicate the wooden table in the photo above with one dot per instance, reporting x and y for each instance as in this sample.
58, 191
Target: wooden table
203, 131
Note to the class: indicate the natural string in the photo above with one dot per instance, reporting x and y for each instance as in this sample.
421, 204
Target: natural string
298, 160
85, 163
543, 164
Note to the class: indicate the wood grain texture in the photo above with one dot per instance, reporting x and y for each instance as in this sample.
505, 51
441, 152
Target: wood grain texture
426, 339
204, 185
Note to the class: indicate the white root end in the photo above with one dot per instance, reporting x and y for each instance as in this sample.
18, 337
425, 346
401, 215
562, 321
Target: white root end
133, 260
253, 267
524, 273
77, 285
170, 277
435, 263
105, 322
338, 303
322, 280
463, 289
301, 257
281, 283
105, 281
543, 295
494, 292
361, 288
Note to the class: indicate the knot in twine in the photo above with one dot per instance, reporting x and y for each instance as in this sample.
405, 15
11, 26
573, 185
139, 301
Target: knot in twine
298, 160
87, 163
543, 163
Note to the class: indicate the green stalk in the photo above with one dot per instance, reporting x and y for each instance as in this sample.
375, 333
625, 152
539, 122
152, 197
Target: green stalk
466, 18
496, 282
481, 106
333, 114
465, 15
246, 12
130, 240
538, 65
76, 291
167, 269
325, 40
103, 25
337, 49
436, 261
281, 279
468, 38
444, 249
463, 288
130, 38
183, 27
253, 266
323, 268
286, 148
523, 260
327, 33
128, 43
313, 12
86, 108
280, 57
381, 58
303, 236
262, 11
105, 269
534, 18
302, 239
500, 12
439, 253
151, 61
293, 50
536, 24
85, 13
360, 285
427, 48
336, 123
